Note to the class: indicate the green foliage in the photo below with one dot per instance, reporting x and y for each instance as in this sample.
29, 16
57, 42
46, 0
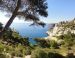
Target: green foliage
69, 39
1, 26
28, 51
45, 53
70, 55
34, 6
24, 41
54, 55
1, 48
42, 42
19, 50
68, 24
39, 53
53, 44
11, 36
2, 56
16, 50
46, 43
14, 44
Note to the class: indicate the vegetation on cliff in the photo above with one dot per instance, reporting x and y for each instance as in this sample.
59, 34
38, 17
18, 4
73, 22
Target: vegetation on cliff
12, 44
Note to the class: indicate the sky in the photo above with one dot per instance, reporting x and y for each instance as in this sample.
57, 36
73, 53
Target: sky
58, 10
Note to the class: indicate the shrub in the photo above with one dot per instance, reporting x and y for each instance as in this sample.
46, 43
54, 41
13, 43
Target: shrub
51, 55
42, 42
19, 55
70, 55
1, 48
39, 53
69, 39
2, 56
28, 51
18, 51
54, 55
1, 26
53, 44
13, 53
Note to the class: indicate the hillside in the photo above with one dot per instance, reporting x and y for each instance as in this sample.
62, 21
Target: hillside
60, 43
62, 28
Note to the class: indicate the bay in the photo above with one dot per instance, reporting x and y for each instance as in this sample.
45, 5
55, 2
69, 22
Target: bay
31, 32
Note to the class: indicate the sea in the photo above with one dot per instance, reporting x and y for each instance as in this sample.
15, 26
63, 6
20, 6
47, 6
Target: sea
31, 31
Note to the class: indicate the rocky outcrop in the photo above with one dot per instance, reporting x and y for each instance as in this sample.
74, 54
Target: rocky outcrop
60, 29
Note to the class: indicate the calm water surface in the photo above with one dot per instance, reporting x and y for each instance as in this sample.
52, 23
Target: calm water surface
30, 31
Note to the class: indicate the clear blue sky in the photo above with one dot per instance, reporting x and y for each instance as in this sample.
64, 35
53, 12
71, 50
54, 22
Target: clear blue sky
60, 10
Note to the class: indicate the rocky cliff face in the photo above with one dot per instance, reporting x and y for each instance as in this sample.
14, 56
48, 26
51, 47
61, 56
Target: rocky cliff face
60, 29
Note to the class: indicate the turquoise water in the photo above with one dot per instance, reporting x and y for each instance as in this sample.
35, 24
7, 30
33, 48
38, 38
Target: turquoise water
30, 31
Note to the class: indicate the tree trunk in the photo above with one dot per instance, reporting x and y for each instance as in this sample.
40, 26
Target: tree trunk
14, 14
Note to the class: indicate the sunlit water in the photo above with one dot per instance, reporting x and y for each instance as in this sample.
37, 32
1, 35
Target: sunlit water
30, 31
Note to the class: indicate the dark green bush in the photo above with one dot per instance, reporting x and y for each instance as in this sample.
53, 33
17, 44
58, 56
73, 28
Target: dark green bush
54, 55
42, 42
69, 39
70, 55
53, 44
19, 55
39, 53
1, 48
1, 26
28, 51
13, 53
2, 56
